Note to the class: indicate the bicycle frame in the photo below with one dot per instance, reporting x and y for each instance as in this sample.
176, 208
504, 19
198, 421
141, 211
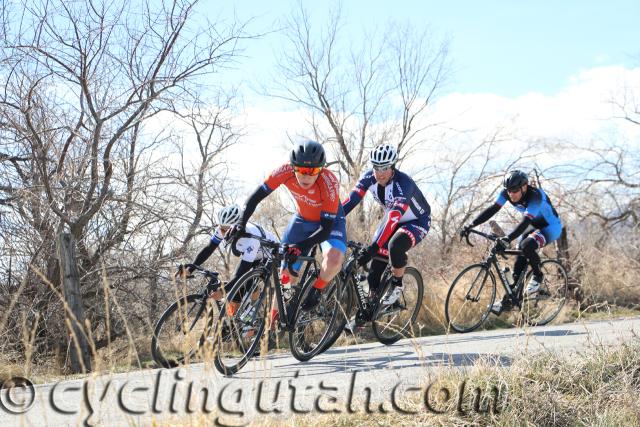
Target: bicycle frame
271, 271
492, 261
349, 271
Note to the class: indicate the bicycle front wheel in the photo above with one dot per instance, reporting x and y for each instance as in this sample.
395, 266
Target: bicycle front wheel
543, 306
470, 298
181, 330
314, 328
346, 309
396, 321
240, 326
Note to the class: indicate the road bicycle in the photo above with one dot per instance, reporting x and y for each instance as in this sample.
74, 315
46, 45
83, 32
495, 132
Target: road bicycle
389, 323
238, 332
473, 291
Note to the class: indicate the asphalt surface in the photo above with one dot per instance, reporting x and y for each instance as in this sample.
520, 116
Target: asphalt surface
339, 380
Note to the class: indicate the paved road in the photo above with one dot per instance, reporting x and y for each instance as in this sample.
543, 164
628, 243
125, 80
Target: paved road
337, 381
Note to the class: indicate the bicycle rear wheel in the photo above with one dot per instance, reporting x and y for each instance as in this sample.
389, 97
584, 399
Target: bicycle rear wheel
542, 307
239, 329
470, 298
313, 329
181, 330
395, 321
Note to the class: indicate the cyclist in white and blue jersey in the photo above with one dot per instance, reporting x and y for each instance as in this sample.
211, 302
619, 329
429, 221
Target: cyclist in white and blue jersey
248, 249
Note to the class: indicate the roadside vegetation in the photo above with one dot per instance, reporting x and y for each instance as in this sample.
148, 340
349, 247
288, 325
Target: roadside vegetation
596, 388
124, 155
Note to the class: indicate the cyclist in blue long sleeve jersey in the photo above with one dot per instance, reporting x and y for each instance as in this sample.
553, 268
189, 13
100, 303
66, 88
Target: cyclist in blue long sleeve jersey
540, 226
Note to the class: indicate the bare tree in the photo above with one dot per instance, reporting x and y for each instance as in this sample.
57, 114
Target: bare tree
608, 178
83, 82
380, 92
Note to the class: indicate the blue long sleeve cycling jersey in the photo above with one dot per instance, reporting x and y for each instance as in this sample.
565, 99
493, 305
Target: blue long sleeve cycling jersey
536, 206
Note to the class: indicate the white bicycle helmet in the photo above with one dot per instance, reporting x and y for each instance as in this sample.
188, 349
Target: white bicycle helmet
384, 155
229, 215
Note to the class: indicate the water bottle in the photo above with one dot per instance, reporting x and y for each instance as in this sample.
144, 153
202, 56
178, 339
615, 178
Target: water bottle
362, 286
285, 281
363, 283
247, 316
508, 275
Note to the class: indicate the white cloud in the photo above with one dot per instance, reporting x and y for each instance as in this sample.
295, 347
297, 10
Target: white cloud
581, 112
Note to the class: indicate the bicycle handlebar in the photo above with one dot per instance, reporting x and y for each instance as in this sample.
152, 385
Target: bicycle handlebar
491, 236
279, 248
203, 271
355, 245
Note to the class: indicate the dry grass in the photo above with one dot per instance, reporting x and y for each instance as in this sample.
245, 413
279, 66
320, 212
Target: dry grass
615, 266
597, 388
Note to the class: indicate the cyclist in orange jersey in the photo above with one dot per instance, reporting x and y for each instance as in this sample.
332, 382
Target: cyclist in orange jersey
319, 217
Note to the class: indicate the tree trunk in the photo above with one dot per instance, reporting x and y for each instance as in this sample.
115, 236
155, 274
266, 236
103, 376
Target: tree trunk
78, 346
562, 249
153, 300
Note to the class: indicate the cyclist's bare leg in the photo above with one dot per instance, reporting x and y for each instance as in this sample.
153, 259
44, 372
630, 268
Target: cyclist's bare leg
331, 264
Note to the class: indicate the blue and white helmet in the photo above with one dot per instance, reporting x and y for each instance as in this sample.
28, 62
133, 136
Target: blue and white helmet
383, 155
229, 216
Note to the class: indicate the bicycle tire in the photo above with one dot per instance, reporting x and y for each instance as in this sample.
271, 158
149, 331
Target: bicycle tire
405, 329
348, 298
300, 316
161, 356
530, 306
484, 307
230, 329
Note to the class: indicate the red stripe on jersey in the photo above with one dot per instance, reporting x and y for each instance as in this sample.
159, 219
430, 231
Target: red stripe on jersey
390, 226
539, 237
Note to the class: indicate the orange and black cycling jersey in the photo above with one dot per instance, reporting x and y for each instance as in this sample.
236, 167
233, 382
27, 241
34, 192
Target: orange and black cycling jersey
321, 199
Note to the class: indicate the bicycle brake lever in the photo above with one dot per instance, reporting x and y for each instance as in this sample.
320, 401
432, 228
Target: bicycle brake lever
466, 237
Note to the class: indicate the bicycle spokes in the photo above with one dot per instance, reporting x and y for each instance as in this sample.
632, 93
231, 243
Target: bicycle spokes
477, 288
543, 306
470, 298
395, 321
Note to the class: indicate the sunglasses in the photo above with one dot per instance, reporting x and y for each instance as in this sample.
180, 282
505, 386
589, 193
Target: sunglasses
382, 168
307, 171
513, 190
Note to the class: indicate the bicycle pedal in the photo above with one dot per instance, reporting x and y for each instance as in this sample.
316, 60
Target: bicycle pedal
352, 327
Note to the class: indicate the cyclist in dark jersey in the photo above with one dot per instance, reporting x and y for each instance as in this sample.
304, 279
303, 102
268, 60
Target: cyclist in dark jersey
539, 227
406, 221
